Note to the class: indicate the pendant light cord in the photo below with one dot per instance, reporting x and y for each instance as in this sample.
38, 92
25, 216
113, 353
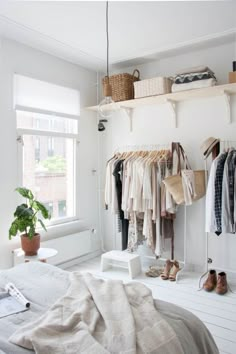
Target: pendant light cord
107, 39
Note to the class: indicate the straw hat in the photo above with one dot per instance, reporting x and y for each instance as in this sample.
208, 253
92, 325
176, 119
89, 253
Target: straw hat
208, 145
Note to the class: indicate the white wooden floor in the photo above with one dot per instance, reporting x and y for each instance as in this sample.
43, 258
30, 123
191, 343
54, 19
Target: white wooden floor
216, 311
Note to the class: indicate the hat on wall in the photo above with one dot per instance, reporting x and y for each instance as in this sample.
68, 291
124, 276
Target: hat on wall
208, 145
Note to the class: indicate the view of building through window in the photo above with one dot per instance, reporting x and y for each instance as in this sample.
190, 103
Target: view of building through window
48, 161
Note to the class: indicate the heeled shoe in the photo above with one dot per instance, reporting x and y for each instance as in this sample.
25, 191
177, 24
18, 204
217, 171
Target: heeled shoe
174, 270
166, 271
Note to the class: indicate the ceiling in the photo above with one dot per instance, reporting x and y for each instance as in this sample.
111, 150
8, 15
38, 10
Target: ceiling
139, 31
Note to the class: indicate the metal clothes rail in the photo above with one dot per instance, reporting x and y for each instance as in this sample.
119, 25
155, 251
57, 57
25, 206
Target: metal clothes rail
224, 145
153, 147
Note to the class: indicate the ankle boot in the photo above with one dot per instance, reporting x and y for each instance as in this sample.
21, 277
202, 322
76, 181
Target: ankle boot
222, 286
211, 281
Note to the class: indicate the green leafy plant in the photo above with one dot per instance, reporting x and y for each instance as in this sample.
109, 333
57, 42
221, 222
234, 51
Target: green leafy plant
27, 215
55, 164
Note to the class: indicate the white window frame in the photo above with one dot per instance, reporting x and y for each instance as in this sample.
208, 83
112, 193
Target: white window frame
21, 132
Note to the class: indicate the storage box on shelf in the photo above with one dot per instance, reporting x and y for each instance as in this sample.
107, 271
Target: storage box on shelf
122, 85
152, 87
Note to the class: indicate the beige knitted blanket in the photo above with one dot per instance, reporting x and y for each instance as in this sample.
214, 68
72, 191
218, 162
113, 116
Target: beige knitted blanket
102, 317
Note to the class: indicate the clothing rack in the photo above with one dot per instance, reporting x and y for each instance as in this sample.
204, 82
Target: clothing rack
224, 144
153, 147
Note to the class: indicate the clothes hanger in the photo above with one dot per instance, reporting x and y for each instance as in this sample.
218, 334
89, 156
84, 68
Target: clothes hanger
154, 155
158, 155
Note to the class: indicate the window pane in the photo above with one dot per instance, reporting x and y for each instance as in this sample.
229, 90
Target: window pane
50, 172
49, 207
62, 208
36, 121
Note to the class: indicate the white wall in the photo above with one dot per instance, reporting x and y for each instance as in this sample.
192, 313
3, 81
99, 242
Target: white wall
15, 57
197, 120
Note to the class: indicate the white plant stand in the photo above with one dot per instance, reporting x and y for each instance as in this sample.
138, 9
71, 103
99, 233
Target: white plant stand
122, 259
42, 255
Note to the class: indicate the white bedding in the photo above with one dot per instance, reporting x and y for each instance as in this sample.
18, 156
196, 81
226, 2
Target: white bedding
43, 284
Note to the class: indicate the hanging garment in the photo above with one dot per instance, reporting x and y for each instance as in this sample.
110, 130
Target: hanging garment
118, 174
110, 189
228, 224
231, 169
218, 191
210, 199
220, 196
135, 236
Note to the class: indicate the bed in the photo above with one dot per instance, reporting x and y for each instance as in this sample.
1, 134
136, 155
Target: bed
45, 285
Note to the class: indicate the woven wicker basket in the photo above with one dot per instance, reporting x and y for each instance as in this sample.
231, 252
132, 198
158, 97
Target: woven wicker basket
152, 87
122, 85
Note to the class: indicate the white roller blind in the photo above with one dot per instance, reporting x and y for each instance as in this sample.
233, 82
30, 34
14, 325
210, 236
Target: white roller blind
43, 96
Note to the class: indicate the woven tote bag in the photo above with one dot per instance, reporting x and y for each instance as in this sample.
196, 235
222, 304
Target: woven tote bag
174, 183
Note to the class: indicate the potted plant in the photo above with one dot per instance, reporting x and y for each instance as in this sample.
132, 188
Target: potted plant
26, 219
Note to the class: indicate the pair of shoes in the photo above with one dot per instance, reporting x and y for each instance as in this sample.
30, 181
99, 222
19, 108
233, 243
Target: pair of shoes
219, 284
153, 272
170, 270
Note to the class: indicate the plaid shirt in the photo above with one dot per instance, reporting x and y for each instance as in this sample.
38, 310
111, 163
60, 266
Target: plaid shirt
218, 191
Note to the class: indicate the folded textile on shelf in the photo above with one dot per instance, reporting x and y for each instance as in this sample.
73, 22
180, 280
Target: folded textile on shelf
193, 85
190, 77
196, 69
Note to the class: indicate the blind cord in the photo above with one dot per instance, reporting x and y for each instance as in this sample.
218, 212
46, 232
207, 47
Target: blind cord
107, 38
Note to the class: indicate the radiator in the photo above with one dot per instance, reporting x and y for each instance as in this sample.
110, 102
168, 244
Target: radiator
69, 247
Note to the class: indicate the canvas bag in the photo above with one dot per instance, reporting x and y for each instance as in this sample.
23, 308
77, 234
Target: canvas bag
174, 184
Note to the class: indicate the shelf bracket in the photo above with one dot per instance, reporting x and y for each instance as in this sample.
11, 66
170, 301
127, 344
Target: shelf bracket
172, 105
129, 113
226, 96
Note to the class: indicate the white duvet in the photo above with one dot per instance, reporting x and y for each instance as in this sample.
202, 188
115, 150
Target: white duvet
97, 316
91, 315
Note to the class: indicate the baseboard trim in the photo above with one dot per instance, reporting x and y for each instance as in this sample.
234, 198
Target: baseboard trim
78, 260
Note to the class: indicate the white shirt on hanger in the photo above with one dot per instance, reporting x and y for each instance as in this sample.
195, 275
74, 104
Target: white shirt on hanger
210, 199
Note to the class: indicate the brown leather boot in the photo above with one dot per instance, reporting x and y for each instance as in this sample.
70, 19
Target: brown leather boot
211, 281
222, 286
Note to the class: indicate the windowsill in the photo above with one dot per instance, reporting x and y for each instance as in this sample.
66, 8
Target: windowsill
54, 231
63, 229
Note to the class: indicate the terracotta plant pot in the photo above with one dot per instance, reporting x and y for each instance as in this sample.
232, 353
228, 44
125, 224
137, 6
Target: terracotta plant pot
30, 246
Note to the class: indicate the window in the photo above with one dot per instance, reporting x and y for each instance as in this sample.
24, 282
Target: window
47, 129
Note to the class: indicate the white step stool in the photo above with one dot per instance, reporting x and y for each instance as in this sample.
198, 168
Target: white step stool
119, 258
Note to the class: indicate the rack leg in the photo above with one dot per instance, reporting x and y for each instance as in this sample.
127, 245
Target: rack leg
185, 244
172, 247
179, 273
200, 279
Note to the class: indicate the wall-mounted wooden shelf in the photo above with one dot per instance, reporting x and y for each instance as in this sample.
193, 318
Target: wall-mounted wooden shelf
172, 99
